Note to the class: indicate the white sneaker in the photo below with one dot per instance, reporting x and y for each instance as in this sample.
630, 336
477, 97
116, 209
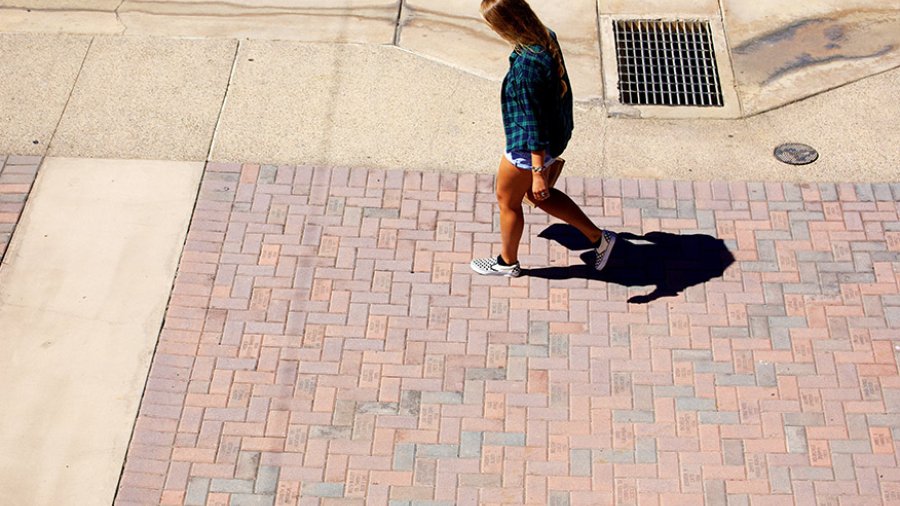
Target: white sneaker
604, 250
492, 267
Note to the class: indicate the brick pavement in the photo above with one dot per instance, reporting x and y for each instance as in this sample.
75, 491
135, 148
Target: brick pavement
17, 174
326, 343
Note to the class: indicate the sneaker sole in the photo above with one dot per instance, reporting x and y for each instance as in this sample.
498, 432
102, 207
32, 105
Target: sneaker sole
606, 255
510, 274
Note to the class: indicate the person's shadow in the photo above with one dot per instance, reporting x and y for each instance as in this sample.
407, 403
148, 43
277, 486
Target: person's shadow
669, 262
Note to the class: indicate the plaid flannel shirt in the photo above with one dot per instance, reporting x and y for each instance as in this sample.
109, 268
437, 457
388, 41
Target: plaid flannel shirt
535, 115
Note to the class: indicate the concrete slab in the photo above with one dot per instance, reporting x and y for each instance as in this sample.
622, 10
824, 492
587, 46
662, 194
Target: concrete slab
454, 32
82, 5
851, 126
786, 52
356, 105
147, 98
659, 7
60, 21
39, 72
305, 20
82, 298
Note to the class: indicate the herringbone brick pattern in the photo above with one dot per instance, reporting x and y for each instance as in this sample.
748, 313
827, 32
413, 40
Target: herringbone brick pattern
17, 174
326, 343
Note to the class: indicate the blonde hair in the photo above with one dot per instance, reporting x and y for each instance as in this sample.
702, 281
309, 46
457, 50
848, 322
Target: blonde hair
515, 22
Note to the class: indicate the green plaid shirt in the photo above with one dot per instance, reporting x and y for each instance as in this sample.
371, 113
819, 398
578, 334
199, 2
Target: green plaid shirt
535, 115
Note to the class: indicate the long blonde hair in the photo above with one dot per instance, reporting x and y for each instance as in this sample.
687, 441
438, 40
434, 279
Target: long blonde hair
515, 22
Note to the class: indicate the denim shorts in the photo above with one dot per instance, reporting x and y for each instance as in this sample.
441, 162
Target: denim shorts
522, 159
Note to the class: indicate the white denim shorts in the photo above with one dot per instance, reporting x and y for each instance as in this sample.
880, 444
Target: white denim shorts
522, 159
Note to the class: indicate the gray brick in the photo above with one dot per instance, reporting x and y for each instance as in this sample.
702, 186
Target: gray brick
197, 490
759, 266
735, 380
470, 445
756, 191
673, 391
739, 500
247, 466
329, 432
843, 467
231, 486
882, 192
410, 402
796, 439
539, 333
718, 417
733, 450
785, 206
686, 209
558, 498
838, 446
691, 355
828, 192
343, 412
442, 398
404, 456
714, 493
891, 420
267, 174
437, 451
252, 500
781, 339
694, 404
812, 473
580, 462
795, 369
804, 419
642, 398
792, 192
431, 503
377, 408
787, 322
608, 456
323, 490
267, 481
628, 416
645, 451
395, 502
485, 374
559, 346
895, 187
765, 374
768, 309
528, 350
864, 192
730, 333
374, 212
780, 480
504, 438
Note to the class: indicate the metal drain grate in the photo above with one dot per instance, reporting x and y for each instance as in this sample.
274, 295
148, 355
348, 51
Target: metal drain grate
669, 63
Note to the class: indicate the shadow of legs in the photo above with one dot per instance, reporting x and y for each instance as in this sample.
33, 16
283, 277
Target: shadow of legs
669, 262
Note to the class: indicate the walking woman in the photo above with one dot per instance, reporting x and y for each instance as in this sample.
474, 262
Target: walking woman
537, 118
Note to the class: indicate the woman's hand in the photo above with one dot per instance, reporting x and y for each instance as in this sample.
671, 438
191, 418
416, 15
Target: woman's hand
539, 188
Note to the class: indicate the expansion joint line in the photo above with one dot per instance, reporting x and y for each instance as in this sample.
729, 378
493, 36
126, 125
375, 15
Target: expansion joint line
397, 27
215, 135
69, 98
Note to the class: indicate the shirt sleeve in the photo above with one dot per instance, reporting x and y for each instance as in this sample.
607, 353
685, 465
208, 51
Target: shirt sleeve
530, 79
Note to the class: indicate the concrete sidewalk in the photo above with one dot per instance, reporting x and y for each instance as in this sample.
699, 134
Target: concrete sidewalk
324, 341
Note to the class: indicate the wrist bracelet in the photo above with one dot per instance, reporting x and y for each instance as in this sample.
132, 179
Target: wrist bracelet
538, 169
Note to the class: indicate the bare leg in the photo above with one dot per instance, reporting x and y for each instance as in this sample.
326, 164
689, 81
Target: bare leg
512, 184
560, 206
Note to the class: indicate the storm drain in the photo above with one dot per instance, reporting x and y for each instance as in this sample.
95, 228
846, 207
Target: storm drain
667, 63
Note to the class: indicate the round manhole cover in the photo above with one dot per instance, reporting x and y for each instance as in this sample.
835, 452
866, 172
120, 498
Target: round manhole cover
796, 154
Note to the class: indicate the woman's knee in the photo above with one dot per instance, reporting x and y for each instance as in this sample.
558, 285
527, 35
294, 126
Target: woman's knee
509, 200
